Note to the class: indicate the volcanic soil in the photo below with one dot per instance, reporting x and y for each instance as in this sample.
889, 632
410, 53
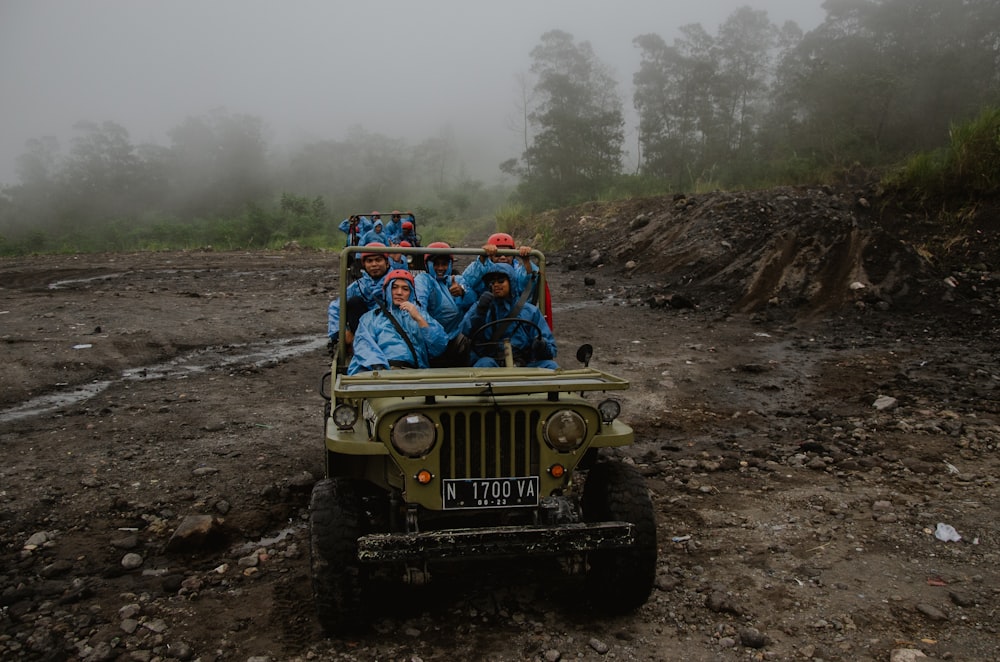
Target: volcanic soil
814, 389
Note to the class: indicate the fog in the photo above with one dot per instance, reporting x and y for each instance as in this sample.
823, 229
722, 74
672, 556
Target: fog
312, 69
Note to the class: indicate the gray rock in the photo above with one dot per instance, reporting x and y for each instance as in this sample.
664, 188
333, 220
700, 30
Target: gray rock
885, 403
961, 599
932, 612
195, 532
129, 611
180, 650
205, 471
720, 602
639, 222
130, 541
157, 625
753, 638
598, 645
906, 655
131, 561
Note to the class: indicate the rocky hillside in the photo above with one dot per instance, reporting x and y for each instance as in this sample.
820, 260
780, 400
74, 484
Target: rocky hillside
788, 252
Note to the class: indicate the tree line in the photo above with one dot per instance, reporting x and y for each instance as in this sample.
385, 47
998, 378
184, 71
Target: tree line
219, 182
757, 104
752, 105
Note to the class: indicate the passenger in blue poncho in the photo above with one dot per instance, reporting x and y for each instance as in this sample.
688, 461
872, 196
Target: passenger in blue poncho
496, 313
524, 268
398, 334
377, 233
398, 260
355, 227
394, 228
362, 295
446, 297
408, 232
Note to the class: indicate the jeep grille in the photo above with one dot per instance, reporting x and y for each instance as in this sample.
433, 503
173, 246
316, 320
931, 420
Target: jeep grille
489, 444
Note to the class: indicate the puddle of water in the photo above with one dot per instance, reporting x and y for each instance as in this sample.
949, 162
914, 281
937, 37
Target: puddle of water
257, 355
60, 284
247, 547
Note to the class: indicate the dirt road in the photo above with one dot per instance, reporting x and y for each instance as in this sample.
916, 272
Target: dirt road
799, 470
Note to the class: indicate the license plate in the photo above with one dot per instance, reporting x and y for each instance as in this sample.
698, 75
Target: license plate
490, 492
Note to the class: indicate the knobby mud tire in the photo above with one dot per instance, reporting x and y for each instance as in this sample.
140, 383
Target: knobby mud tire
338, 578
620, 580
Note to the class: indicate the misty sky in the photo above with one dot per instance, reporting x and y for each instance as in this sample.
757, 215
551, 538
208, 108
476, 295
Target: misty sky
313, 68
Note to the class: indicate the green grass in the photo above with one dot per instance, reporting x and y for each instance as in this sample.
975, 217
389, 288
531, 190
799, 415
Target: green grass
968, 167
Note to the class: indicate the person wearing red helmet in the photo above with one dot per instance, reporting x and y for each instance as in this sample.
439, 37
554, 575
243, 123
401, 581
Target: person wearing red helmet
446, 297
398, 260
399, 333
362, 295
524, 268
393, 228
408, 230
355, 227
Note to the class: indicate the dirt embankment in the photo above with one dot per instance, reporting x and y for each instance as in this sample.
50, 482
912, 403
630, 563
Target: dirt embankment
794, 253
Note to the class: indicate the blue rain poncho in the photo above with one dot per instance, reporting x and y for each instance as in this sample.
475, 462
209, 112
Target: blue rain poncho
379, 345
522, 336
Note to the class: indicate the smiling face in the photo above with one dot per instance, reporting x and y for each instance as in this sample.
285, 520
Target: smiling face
400, 291
375, 265
500, 287
441, 263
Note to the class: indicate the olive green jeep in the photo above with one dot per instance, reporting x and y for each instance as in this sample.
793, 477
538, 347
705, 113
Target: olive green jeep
434, 465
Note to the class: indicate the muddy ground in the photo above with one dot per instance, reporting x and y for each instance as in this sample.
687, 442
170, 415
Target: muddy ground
802, 437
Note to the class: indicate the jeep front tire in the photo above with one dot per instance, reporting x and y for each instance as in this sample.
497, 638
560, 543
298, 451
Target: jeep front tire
620, 580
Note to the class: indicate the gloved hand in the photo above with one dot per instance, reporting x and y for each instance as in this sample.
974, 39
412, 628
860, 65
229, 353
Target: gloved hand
485, 299
540, 350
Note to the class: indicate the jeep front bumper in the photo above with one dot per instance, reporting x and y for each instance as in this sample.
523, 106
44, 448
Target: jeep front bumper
494, 542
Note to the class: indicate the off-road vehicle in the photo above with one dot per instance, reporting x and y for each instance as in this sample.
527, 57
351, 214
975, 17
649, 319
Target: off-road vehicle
434, 465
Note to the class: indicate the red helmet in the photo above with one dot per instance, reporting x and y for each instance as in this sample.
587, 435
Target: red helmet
373, 243
396, 212
396, 274
437, 244
407, 225
501, 240
405, 243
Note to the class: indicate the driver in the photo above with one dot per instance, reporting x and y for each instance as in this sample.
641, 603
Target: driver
498, 315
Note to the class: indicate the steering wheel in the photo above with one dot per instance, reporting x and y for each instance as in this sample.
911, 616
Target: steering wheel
482, 347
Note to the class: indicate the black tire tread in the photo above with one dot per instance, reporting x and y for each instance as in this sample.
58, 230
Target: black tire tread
338, 578
620, 580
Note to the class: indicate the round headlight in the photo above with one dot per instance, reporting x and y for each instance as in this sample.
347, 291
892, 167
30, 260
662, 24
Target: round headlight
609, 410
413, 435
345, 416
565, 430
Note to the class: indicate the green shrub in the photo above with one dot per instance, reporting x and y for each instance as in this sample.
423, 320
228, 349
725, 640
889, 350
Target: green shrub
968, 167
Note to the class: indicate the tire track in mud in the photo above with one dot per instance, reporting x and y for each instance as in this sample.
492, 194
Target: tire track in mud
255, 355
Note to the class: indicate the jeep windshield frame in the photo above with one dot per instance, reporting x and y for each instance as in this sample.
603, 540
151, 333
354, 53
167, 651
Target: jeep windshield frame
349, 252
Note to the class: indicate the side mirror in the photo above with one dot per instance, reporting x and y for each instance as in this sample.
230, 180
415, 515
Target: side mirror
584, 353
